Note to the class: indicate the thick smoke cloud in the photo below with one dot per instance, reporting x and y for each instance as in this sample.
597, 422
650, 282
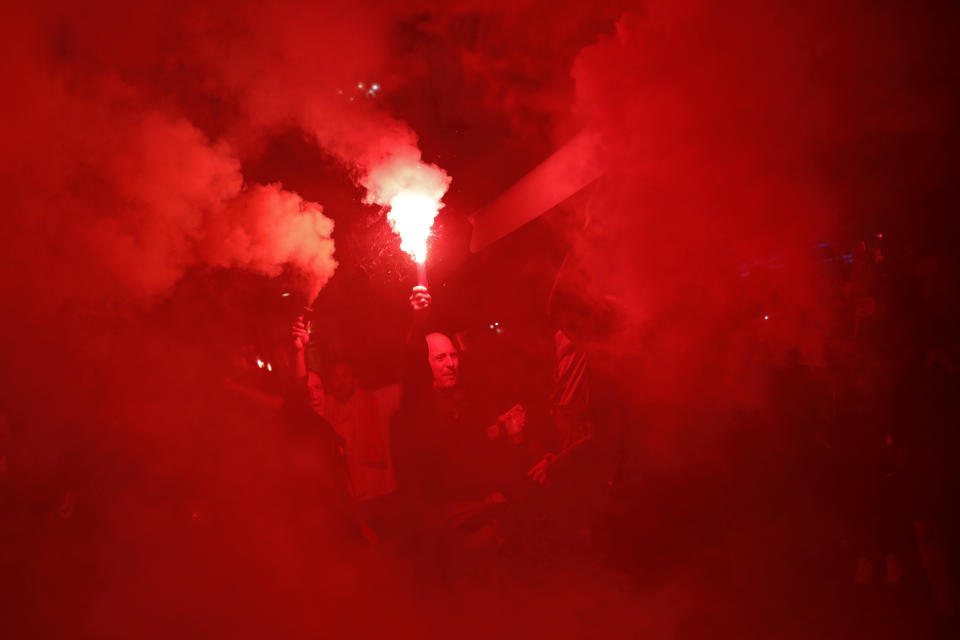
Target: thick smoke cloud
111, 195
316, 66
737, 133
130, 126
128, 129
725, 127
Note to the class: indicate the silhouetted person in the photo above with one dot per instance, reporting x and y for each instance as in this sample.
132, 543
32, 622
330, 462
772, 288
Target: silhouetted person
458, 457
318, 452
360, 417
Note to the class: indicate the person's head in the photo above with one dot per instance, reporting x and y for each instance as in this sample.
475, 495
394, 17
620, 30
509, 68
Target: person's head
340, 381
444, 361
315, 392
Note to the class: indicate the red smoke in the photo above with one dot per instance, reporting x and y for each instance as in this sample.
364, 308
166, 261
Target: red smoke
724, 126
130, 126
738, 133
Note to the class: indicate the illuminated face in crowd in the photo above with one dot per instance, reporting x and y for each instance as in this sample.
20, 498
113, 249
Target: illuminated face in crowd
315, 392
444, 361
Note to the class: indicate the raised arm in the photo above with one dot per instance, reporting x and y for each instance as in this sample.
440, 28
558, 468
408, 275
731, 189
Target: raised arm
300, 333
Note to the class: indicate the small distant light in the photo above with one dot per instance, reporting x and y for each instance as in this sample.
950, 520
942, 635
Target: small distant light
766, 317
375, 87
285, 294
359, 85
491, 326
880, 235
269, 368
260, 363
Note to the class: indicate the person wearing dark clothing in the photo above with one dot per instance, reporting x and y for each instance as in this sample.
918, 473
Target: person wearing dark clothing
458, 459
452, 451
315, 471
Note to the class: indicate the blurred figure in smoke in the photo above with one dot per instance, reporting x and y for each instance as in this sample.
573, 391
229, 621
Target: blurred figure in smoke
582, 465
458, 458
360, 417
323, 452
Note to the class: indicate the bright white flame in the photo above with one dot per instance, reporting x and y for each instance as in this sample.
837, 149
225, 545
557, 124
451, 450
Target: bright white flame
269, 368
411, 215
413, 191
260, 363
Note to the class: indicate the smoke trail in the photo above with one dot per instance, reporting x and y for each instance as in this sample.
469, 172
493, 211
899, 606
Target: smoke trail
115, 196
323, 76
131, 125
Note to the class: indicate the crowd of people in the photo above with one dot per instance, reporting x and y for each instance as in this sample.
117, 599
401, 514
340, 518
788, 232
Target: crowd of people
453, 466
431, 462
842, 473
450, 465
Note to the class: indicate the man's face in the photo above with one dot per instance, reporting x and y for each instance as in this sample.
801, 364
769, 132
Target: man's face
341, 382
444, 361
315, 392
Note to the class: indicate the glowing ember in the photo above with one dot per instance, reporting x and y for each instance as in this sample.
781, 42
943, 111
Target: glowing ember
411, 215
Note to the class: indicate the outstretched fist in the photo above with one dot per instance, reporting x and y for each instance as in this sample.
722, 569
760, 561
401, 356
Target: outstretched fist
420, 298
300, 333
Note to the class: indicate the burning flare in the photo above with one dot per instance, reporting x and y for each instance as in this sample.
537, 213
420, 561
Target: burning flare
411, 215
414, 191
